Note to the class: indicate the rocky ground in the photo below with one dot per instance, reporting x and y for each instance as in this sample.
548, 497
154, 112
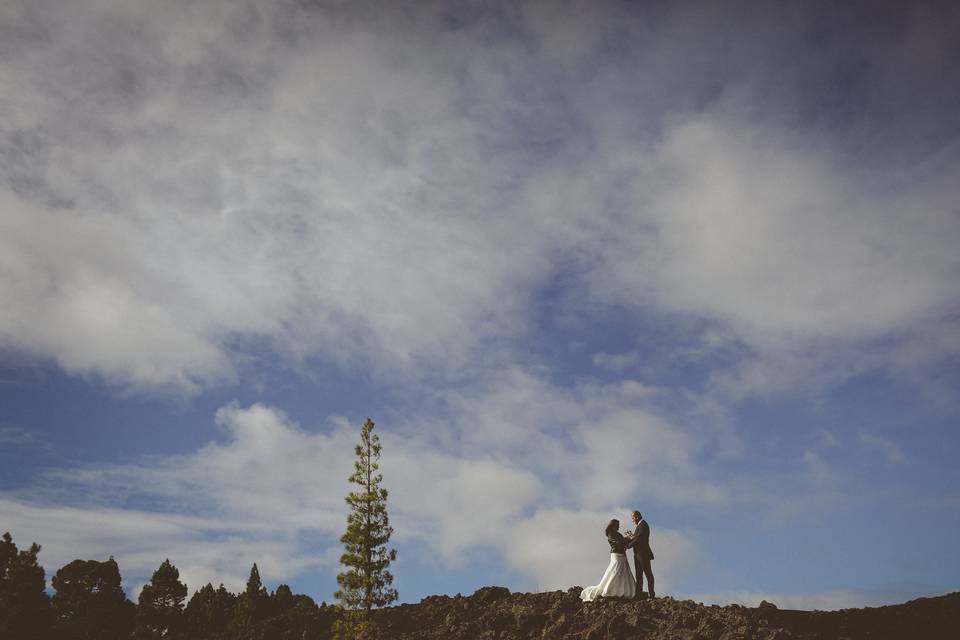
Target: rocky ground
493, 613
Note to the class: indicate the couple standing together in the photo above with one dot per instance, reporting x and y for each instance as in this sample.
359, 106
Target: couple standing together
617, 580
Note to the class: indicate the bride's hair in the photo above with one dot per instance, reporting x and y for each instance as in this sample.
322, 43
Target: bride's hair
612, 526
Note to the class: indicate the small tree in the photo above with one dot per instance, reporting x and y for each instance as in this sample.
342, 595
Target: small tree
161, 603
366, 582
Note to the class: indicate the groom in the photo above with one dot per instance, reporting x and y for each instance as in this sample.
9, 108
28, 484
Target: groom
642, 554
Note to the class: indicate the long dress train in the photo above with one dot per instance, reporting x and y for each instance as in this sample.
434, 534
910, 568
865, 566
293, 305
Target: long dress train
617, 581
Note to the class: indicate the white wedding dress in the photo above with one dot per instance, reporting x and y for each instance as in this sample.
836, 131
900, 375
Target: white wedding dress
617, 581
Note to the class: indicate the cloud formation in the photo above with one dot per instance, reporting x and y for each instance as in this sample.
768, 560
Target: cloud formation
185, 186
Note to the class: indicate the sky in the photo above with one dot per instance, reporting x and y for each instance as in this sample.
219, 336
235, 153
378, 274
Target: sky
574, 258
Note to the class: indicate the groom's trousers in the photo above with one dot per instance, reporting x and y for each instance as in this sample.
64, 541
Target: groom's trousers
642, 566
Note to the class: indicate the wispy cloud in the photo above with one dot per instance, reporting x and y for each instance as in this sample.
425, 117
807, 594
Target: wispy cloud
615, 361
185, 182
890, 451
817, 467
14, 436
826, 438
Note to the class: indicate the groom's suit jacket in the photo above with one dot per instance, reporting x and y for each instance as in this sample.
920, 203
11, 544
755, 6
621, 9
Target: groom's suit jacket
641, 541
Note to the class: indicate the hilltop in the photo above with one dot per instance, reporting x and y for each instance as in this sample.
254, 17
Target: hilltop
494, 613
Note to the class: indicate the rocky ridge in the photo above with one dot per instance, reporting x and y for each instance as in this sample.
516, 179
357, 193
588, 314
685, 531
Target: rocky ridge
494, 613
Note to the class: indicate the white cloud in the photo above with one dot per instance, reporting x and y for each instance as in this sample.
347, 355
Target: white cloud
186, 186
18, 437
340, 211
817, 468
826, 438
757, 219
890, 451
636, 453
269, 473
759, 230
455, 504
615, 361
597, 442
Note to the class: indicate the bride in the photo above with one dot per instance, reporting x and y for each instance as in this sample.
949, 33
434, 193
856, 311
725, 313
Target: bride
617, 580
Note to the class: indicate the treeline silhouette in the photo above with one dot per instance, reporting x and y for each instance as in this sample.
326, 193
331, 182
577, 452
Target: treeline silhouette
89, 604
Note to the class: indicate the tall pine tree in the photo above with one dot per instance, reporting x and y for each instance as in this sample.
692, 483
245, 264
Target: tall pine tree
366, 582
24, 605
161, 604
252, 604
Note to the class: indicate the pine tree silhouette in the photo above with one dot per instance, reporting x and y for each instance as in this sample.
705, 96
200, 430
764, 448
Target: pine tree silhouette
160, 607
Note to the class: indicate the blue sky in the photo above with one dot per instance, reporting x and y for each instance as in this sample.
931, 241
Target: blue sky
697, 259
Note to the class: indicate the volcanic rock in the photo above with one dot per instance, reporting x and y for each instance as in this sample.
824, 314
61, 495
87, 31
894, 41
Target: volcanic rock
494, 613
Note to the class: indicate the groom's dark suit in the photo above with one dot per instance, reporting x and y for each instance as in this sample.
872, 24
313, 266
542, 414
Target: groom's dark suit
642, 555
